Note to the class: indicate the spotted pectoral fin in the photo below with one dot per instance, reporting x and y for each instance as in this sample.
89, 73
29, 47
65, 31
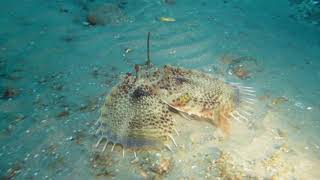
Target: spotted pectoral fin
173, 108
190, 115
185, 114
245, 103
246, 108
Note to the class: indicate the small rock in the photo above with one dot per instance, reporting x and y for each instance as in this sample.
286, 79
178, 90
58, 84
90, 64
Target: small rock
243, 67
64, 113
105, 14
167, 19
164, 167
69, 138
57, 87
10, 93
64, 10
19, 118
85, 23
241, 72
128, 50
279, 100
93, 20
68, 38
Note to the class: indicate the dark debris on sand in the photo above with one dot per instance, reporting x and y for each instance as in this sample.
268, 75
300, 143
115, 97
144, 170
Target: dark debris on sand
103, 165
106, 14
10, 93
243, 67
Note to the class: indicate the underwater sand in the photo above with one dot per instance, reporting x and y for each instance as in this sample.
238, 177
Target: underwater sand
58, 70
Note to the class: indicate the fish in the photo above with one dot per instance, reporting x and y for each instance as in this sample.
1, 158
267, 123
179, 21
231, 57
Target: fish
140, 111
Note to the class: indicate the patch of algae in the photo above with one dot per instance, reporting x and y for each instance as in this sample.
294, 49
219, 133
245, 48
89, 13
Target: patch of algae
277, 165
227, 168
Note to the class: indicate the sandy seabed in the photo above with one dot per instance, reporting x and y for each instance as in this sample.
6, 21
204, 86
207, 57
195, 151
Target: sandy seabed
58, 60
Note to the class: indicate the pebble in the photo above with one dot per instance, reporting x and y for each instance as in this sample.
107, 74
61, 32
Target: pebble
85, 23
69, 138
167, 19
105, 14
172, 52
10, 93
163, 167
128, 50
299, 105
44, 121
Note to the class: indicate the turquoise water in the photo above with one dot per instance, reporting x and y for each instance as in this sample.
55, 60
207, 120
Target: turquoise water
59, 59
